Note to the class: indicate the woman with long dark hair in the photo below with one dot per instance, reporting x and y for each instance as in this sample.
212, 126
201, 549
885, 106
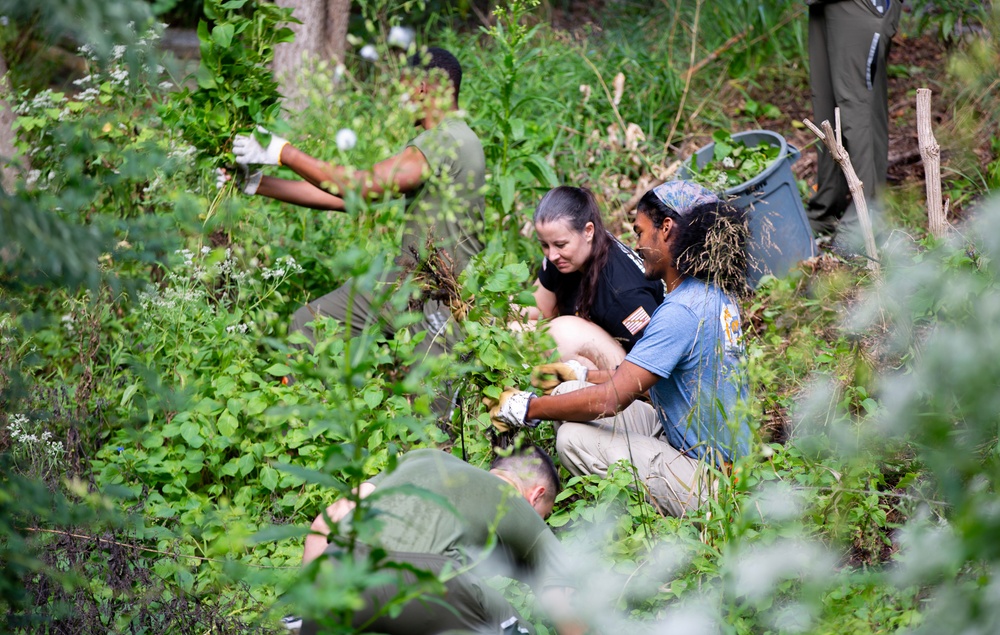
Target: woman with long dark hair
689, 362
590, 286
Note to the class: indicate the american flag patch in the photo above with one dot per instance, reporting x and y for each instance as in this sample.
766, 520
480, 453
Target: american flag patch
637, 321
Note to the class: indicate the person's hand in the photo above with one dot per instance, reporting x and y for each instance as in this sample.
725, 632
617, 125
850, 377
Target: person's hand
246, 181
248, 150
510, 410
547, 376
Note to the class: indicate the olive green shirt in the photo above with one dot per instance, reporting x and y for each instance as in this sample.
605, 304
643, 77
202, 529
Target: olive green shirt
485, 510
449, 205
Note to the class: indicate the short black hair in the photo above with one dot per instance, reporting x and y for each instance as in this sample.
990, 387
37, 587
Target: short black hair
433, 57
530, 464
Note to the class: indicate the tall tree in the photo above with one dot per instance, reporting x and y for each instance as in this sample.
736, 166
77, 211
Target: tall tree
8, 173
322, 35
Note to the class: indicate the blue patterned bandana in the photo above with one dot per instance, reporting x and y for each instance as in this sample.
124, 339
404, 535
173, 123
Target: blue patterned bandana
682, 196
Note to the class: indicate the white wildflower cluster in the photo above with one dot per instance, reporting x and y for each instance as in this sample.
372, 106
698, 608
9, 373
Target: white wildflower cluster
34, 177
169, 298
401, 37
230, 268
237, 328
187, 255
69, 323
346, 139
181, 151
4, 20
119, 76
720, 182
87, 51
6, 323
43, 100
369, 52
728, 163
153, 186
30, 441
284, 266
117, 52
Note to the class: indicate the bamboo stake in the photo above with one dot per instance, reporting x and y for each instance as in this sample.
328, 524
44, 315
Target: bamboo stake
829, 138
930, 152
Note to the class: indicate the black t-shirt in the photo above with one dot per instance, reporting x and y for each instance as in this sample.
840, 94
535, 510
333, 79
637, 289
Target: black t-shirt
624, 300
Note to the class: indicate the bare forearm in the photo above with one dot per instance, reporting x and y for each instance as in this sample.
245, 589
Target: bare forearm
299, 193
586, 404
334, 179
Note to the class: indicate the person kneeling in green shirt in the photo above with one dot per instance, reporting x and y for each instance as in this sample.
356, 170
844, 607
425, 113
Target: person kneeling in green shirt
492, 524
441, 173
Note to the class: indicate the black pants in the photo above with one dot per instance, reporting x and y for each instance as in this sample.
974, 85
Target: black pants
468, 605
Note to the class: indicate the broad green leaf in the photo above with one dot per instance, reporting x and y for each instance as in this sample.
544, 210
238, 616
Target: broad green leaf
223, 35
269, 477
507, 185
128, 394
541, 170
278, 370
274, 533
246, 464
227, 424
190, 431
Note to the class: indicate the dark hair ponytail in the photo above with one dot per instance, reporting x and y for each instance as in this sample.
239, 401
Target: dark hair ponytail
578, 207
710, 243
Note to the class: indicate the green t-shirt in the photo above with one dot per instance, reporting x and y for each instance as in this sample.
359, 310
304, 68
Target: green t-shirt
449, 205
486, 511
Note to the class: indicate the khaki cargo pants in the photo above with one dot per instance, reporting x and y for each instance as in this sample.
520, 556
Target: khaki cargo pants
676, 483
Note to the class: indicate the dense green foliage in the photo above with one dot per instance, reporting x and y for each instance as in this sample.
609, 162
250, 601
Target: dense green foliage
732, 162
159, 473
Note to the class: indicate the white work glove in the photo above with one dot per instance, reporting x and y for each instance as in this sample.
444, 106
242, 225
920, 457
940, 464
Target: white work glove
248, 150
511, 410
246, 181
547, 376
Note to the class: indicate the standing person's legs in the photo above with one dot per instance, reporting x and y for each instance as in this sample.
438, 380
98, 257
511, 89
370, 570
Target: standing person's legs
861, 38
676, 482
827, 205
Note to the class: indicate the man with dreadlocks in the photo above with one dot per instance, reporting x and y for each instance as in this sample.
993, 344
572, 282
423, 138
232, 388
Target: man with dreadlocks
687, 359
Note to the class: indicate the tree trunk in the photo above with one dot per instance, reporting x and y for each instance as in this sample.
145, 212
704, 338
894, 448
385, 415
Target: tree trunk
8, 167
321, 36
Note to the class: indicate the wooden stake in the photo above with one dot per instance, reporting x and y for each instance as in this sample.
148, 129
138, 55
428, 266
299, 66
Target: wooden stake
829, 138
930, 152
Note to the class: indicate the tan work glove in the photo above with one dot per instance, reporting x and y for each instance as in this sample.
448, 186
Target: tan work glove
510, 410
547, 376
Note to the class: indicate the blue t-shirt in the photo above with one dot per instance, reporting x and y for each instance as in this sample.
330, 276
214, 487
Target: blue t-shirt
694, 344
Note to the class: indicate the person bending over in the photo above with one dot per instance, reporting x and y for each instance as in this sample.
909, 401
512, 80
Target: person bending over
590, 286
441, 174
493, 525
688, 359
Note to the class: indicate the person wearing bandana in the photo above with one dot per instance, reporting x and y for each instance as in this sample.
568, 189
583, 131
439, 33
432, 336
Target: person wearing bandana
688, 359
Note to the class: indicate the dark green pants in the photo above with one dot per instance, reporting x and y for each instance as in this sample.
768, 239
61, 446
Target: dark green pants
848, 49
351, 305
468, 605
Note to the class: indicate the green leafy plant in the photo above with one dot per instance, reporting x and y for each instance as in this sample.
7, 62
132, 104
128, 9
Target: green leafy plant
733, 163
235, 91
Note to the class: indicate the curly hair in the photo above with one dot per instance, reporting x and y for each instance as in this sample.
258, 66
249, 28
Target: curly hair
711, 241
578, 207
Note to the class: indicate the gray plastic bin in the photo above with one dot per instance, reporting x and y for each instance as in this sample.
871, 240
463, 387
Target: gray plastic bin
780, 236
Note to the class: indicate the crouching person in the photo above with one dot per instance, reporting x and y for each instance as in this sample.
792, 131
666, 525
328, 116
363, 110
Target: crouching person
687, 360
440, 516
